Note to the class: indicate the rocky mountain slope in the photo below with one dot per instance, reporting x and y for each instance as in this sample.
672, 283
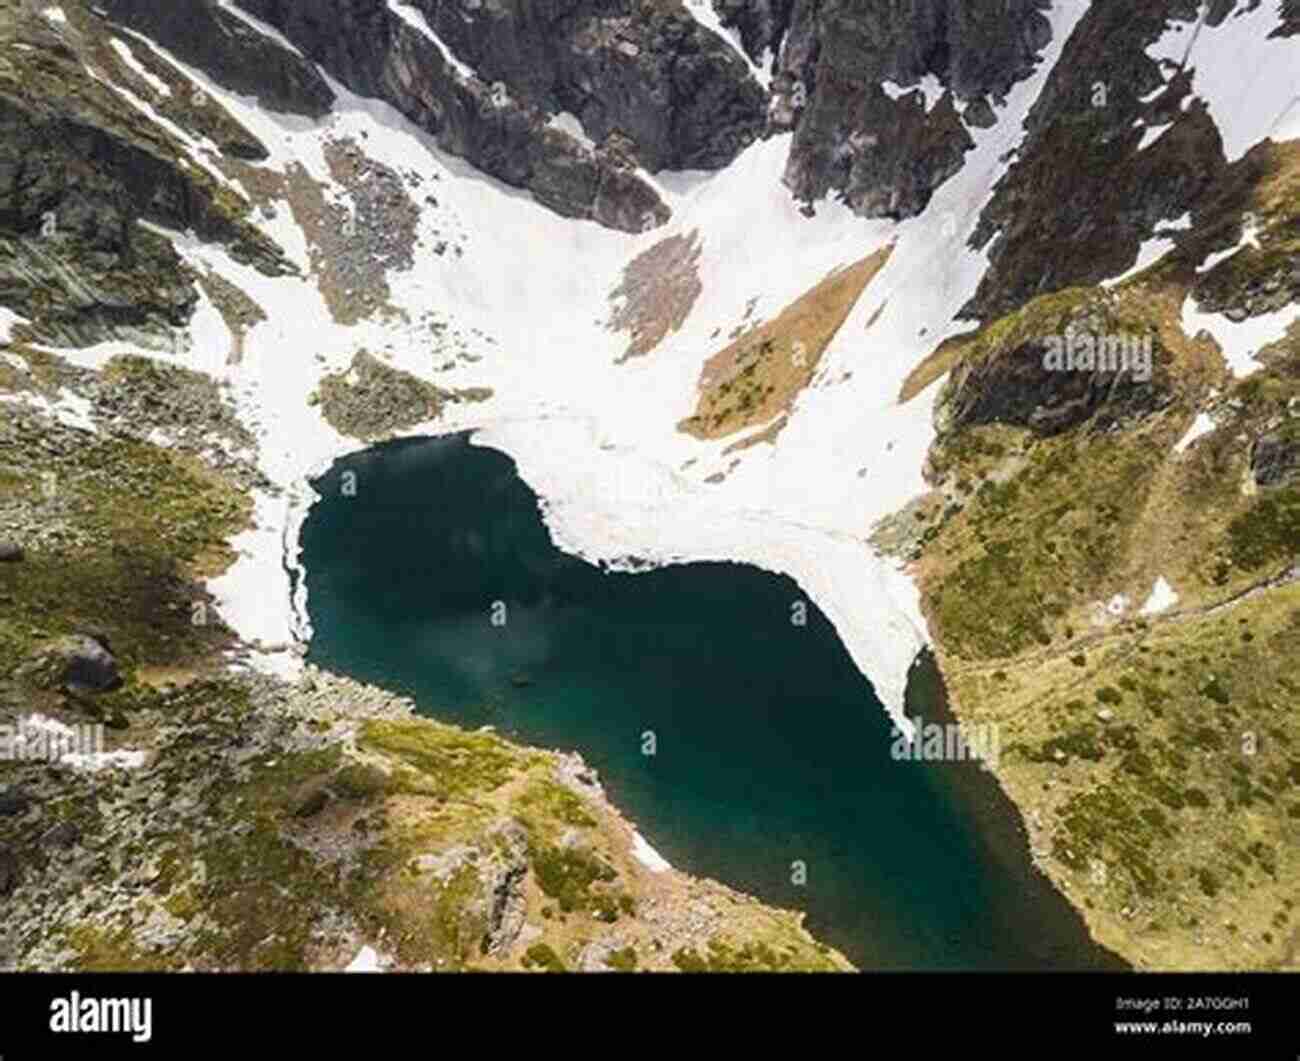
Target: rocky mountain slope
828, 286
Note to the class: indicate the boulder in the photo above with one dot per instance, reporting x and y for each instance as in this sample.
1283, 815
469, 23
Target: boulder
10, 552
89, 666
1275, 461
78, 663
13, 801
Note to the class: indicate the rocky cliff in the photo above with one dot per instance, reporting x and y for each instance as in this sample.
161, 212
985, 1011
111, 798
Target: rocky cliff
1053, 234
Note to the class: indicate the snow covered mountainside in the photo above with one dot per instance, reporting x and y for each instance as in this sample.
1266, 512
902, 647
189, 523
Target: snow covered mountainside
756, 281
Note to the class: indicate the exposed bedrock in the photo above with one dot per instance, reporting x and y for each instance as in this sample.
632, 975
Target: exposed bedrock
649, 85
886, 152
228, 50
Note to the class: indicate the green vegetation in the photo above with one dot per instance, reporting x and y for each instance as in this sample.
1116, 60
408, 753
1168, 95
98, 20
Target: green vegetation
541, 956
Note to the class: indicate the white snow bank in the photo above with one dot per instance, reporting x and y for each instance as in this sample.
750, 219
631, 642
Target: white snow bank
596, 438
647, 855
1240, 341
414, 18
568, 123
1202, 425
67, 408
1162, 598
930, 88
1241, 74
151, 79
1152, 250
8, 318
1249, 238
366, 961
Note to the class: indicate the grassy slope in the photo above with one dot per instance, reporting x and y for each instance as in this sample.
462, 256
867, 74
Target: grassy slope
1156, 759
283, 827
761, 373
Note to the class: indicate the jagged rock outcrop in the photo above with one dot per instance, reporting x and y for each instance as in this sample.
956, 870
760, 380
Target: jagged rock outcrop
377, 51
1050, 226
762, 24
884, 152
78, 662
78, 168
1275, 461
487, 84
1058, 369
1017, 389
230, 51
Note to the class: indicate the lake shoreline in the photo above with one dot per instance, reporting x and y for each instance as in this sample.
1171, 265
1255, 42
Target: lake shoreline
658, 812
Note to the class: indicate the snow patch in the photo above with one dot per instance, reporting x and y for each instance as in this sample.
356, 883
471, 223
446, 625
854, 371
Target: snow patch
1240, 341
1249, 238
8, 318
1154, 249
568, 123
647, 855
366, 961
1202, 425
414, 18
703, 12
128, 57
1162, 598
1152, 134
1236, 69
929, 86
265, 29
67, 408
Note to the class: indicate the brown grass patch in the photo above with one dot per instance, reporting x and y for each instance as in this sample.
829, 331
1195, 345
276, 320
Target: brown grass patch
760, 374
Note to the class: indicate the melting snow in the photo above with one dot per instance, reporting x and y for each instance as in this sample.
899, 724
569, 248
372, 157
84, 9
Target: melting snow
647, 855
366, 961
127, 56
1202, 425
1240, 341
930, 88
414, 18
1162, 598
1237, 71
596, 439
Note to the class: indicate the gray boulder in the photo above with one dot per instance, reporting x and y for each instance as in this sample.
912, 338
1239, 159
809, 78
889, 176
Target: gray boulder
1275, 461
78, 663
88, 666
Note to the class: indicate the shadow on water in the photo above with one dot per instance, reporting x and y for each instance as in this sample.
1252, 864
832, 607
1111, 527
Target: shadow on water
771, 752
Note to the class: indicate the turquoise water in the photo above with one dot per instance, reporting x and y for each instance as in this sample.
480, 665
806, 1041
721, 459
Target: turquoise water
770, 747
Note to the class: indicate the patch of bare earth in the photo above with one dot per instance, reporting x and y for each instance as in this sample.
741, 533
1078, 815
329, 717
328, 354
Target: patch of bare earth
237, 309
658, 290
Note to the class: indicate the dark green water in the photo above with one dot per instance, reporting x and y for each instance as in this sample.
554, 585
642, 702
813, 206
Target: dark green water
771, 747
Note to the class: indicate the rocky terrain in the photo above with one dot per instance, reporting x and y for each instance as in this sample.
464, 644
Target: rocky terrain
229, 820
1106, 558
1151, 743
